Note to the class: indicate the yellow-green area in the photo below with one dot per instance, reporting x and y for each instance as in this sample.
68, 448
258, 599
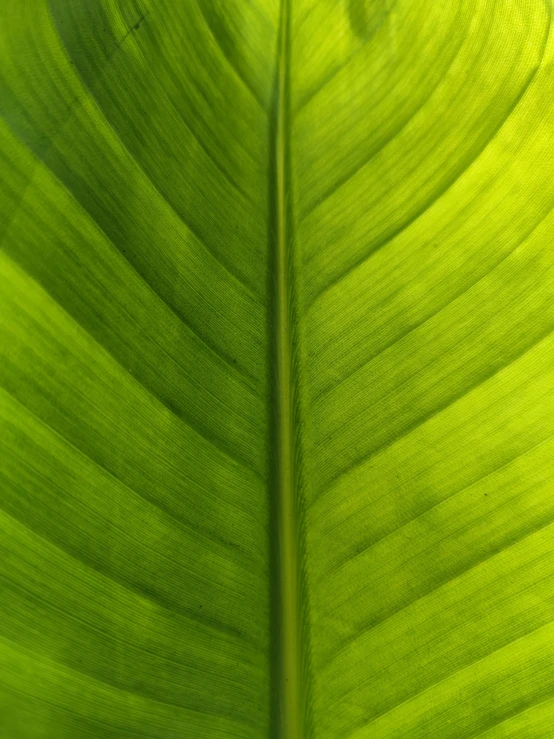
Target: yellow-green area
276, 369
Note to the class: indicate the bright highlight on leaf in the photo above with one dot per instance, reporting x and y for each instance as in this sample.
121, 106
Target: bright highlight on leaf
277, 369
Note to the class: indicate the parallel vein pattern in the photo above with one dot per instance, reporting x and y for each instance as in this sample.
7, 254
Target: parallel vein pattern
276, 369
134, 563
424, 187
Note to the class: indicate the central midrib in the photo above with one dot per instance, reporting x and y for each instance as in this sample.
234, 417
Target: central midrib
288, 648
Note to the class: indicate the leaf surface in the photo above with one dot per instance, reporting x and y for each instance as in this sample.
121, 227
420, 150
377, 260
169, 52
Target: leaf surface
277, 373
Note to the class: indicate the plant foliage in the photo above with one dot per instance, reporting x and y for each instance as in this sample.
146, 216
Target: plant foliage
277, 369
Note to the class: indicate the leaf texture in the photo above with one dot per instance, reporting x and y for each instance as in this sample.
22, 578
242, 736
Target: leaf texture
277, 372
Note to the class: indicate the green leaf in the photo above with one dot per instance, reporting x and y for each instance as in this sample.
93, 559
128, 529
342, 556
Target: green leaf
277, 369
